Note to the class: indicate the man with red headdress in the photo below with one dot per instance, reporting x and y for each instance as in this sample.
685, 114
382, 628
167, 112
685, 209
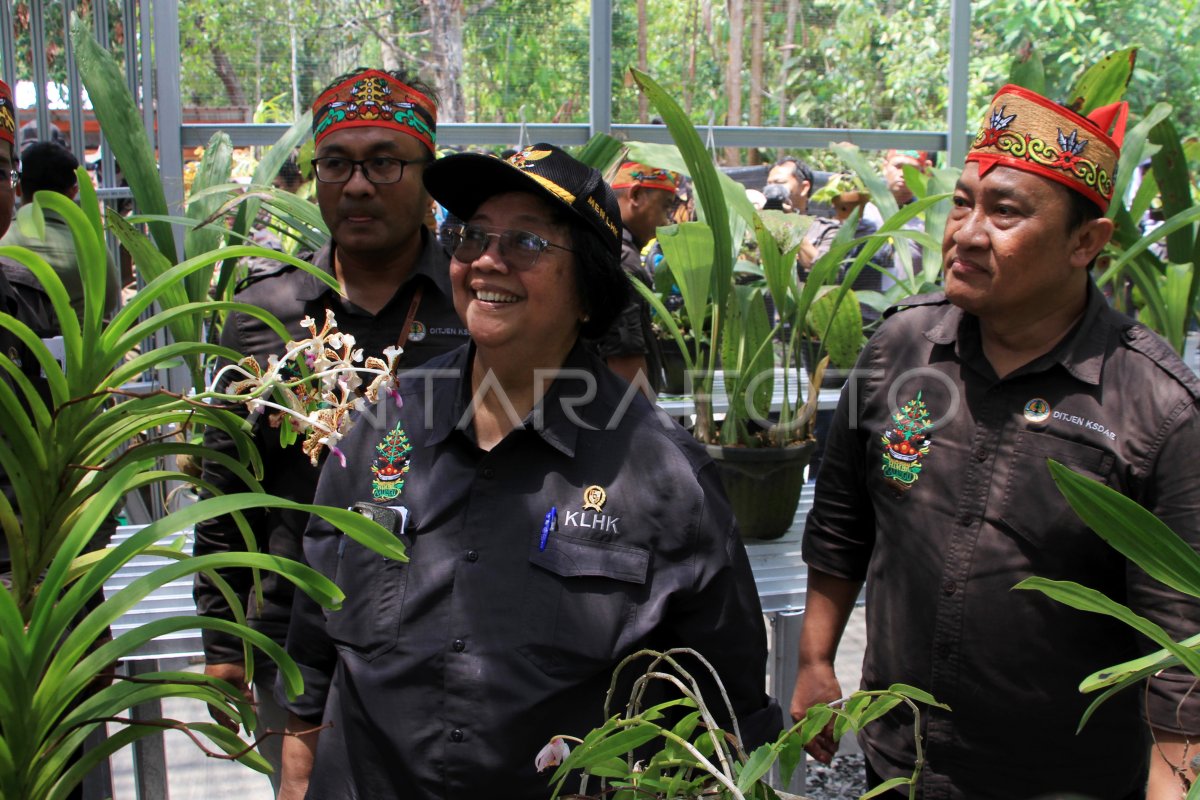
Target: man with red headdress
935, 490
646, 196
375, 134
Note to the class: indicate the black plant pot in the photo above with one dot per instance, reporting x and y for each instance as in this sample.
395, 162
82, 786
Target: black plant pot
674, 367
763, 485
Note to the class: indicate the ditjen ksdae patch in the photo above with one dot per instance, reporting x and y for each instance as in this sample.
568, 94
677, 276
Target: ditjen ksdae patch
391, 465
906, 443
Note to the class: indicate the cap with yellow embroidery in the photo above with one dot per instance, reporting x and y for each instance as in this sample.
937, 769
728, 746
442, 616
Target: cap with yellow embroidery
8, 115
374, 98
632, 173
463, 181
1025, 131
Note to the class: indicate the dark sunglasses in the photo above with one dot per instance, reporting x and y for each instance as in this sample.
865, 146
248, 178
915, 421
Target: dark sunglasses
519, 249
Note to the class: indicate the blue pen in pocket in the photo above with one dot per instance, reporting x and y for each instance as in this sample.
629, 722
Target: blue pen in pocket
548, 524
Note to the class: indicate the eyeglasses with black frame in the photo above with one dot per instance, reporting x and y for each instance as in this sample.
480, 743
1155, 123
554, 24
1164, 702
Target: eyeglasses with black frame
519, 249
9, 177
377, 169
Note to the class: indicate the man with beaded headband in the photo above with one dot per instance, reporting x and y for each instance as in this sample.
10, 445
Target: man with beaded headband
935, 490
375, 134
646, 196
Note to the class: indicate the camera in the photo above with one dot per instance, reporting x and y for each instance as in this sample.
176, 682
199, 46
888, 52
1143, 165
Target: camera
777, 195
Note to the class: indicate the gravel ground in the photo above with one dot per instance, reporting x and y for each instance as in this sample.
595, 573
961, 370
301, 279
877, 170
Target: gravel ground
842, 780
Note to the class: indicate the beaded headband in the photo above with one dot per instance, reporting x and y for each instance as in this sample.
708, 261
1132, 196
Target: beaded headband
1025, 131
374, 98
632, 173
8, 115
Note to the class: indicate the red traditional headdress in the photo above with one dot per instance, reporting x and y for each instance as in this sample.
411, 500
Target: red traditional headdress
374, 98
1025, 131
8, 115
632, 173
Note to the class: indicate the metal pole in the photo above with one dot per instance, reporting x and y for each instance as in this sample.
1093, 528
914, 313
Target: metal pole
147, 66
960, 63
8, 49
37, 39
600, 69
75, 108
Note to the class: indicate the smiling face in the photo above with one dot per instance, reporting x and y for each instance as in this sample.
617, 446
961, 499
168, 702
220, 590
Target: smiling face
1007, 252
532, 314
369, 220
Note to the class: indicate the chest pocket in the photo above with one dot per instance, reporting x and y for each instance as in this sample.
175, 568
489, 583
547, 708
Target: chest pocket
369, 620
1034, 509
580, 597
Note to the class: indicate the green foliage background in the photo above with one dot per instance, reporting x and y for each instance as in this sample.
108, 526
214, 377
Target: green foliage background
862, 64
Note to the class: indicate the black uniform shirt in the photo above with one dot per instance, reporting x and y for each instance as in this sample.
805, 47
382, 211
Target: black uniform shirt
291, 294
443, 677
943, 521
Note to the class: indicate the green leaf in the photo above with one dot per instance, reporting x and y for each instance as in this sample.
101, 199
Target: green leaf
1104, 82
1171, 169
215, 168
847, 715
688, 248
617, 743
1028, 69
915, 694
1132, 530
121, 122
815, 720
790, 755
755, 767
600, 152
1085, 599
887, 786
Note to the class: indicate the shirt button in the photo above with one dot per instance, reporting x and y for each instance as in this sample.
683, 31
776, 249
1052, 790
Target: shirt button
981, 454
965, 520
472, 556
489, 473
456, 735
950, 587
459, 645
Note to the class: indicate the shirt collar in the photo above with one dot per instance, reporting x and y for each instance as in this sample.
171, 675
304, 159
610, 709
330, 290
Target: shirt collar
551, 420
1081, 352
432, 263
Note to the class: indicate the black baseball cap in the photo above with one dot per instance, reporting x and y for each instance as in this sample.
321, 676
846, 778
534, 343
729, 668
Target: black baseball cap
461, 183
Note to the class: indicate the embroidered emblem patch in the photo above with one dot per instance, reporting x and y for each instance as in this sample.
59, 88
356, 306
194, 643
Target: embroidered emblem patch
391, 465
594, 498
906, 443
416, 331
1037, 410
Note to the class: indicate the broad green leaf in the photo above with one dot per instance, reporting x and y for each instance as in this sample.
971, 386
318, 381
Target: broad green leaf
215, 168
1133, 152
847, 715
600, 152
1085, 599
619, 742
1028, 69
815, 720
757, 765
1174, 187
688, 248
918, 695
1104, 82
791, 752
121, 122
1135, 532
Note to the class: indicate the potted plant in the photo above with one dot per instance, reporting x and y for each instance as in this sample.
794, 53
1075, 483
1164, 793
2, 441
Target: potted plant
753, 443
70, 451
676, 750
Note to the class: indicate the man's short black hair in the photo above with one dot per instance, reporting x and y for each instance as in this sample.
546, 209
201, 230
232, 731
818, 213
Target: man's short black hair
1081, 210
803, 171
47, 167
